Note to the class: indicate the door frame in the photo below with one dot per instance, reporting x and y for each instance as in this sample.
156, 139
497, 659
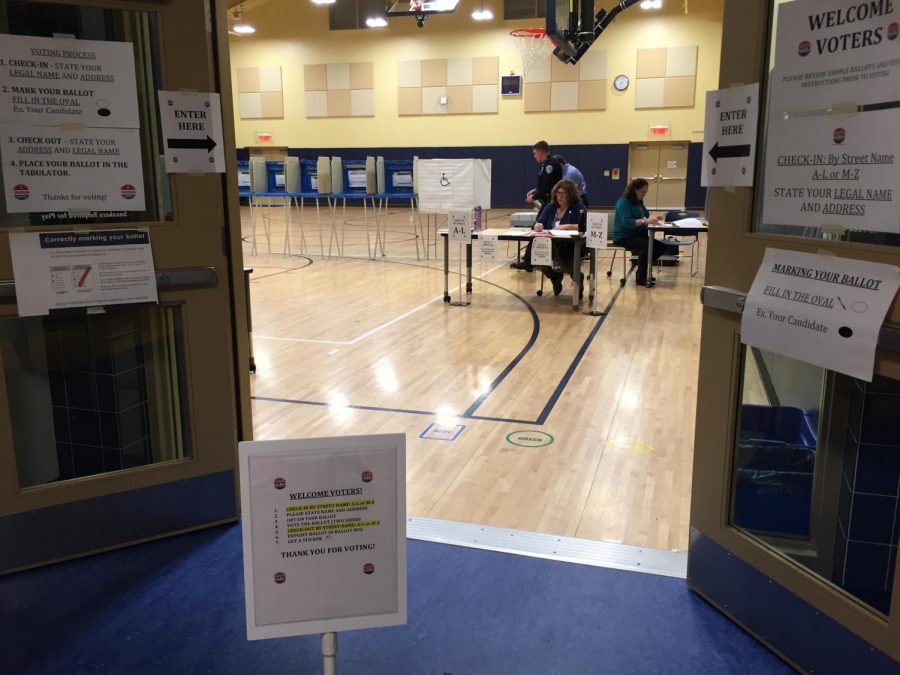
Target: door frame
72, 507
798, 614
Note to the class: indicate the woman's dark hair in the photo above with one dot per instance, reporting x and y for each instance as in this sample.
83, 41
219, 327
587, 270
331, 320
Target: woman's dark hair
569, 187
631, 191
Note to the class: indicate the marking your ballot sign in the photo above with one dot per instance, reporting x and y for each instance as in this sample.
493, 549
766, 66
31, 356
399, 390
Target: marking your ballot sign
819, 309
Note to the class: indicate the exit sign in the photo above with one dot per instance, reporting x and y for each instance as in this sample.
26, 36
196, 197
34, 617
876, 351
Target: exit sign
660, 131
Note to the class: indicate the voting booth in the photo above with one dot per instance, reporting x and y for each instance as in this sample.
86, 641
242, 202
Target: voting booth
446, 185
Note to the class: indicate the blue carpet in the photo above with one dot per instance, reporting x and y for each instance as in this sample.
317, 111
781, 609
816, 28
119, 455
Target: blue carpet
177, 606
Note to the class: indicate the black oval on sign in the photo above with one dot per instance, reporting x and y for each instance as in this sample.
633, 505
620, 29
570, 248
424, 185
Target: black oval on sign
104, 112
845, 331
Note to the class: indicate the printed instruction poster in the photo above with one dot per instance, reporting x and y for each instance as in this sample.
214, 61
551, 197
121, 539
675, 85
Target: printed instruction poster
69, 125
59, 270
832, 146
820, 309
324, 534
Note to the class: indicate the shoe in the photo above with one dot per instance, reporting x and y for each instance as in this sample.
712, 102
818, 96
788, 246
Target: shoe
643, 282
522, 266
557, 286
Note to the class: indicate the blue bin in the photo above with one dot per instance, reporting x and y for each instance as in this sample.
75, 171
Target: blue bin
776, 456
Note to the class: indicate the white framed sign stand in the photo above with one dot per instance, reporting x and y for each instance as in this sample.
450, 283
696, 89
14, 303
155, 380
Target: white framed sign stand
324, 536
597, 228
459, 230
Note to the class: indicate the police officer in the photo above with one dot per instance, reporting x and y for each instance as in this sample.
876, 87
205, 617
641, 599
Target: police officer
549, 175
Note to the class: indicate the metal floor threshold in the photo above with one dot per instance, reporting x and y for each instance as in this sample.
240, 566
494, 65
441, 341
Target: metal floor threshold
549, 546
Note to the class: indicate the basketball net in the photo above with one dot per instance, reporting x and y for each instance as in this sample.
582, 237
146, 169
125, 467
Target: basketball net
530, 42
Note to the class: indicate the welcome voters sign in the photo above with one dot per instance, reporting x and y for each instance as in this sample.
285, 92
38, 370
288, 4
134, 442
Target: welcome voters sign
324, 534
832, 143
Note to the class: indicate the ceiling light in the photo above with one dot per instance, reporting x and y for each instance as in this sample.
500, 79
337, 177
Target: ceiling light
323, 2
651, 4
241, 27
376, 22
482, 15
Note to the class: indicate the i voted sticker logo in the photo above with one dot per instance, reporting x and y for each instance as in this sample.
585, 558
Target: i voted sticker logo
839, 135
279, 483
804, 48
529, 439
892, 31
128, 191
280, 577
367, 476
21, 191
368, 568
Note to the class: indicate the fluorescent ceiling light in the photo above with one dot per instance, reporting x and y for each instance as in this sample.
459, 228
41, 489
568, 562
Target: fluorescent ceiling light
651, 4
482, 15
244, 29
323, 2
376, 22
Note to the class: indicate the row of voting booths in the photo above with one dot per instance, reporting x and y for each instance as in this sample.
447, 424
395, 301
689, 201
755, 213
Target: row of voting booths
432, 187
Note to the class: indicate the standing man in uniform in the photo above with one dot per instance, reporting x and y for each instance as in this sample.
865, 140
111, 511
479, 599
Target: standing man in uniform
549, 175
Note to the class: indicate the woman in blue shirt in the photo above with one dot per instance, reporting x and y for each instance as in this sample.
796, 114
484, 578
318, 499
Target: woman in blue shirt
630, 227
564, 212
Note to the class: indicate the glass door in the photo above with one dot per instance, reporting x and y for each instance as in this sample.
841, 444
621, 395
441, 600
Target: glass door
795, 514
119, 422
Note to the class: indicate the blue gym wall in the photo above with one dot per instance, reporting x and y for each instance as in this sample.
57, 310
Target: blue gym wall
514, 172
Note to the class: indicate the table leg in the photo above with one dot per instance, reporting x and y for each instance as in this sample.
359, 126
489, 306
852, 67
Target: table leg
447, 268
651, 235
469, 268
578, 277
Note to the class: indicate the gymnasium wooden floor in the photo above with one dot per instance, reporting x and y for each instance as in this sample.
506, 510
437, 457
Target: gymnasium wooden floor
348, 345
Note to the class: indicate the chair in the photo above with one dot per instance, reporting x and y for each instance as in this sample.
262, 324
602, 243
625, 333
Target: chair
676, 242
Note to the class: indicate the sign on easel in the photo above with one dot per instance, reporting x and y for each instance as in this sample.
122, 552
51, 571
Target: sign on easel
324, 534
597, 224
542, 251
459, 224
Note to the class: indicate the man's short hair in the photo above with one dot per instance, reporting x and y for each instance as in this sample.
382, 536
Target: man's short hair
560, 159
543, 146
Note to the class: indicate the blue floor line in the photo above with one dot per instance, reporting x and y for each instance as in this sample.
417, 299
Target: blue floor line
551, 403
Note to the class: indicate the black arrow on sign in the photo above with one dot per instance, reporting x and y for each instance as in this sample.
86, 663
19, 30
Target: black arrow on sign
190, 144
728, 151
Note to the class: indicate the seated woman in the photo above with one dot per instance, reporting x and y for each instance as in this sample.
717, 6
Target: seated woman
564, 212
630, 227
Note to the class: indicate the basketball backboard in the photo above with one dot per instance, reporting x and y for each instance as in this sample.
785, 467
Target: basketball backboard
421, 10
573, 27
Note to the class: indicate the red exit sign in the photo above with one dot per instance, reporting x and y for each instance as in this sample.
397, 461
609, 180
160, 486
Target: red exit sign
659, 131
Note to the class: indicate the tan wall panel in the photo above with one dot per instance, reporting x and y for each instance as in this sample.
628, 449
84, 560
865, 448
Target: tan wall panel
485, 70
484, 98
681, 61
434, 73
316, 103
362, 76
537, 96
247, 80
460, 99
651, 62
314, 77
409, 74
272, 104
679, 92
592, 95
564, 95
563, 72
459, 72
339, 103
409, 101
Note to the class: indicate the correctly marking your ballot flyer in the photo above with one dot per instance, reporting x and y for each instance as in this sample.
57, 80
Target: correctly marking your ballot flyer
820, 309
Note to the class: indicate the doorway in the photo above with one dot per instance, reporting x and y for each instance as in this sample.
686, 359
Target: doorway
663, 164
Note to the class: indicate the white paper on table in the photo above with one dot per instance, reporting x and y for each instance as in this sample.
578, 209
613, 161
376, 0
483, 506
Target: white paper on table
541, 251
562, 234
819, 309
597, 230
459, 225
488, 246
689, 222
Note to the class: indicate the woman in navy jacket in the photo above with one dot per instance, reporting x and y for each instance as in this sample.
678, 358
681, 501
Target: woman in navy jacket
564, 212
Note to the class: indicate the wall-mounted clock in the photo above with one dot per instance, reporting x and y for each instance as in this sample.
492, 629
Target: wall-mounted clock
621, 82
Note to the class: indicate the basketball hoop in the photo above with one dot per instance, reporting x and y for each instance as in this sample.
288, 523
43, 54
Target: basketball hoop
530, 42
